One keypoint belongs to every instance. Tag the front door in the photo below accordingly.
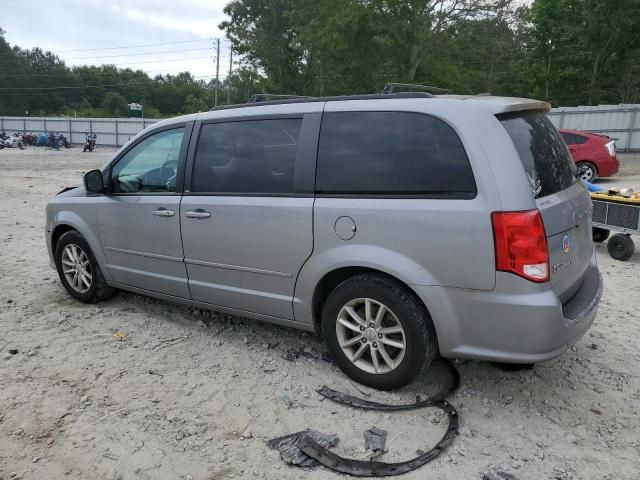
(246, 231)
(139, 221)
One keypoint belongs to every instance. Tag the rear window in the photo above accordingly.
(391, 153)
(542, 151)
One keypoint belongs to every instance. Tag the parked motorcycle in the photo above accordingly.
(64, 141)
(14, 141)
(29, 138)
(90, 142)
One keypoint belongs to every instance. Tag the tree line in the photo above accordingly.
(569, 52)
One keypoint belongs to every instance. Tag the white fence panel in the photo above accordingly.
(621, 122)
(109, 131)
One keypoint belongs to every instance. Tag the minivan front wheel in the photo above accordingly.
(377, 332)
(78, 269)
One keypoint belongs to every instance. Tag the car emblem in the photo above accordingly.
(566, 244)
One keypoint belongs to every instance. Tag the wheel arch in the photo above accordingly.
(338, 275)
(66, 221)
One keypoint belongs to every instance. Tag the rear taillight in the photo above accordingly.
(521, 244)
(611, 148)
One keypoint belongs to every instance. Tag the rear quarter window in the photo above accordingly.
(391, 153)
(542, 151)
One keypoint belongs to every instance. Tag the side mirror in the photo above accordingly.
(93, 181)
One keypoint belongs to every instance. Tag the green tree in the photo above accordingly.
(194, 104)
(115, 105)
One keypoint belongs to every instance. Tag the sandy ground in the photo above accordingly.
(82, 401)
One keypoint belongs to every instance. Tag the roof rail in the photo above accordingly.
(293, 99)
(392, 87)
(265, 97)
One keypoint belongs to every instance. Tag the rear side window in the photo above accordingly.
(253, 156)
(542, 152)
(391, 153)
(573, 139)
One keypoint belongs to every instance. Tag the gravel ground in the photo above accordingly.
(136, 388)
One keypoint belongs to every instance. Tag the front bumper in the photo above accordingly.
(512, 323)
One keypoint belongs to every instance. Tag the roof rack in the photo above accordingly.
(294, 99)
(265, 97)
(392, 87)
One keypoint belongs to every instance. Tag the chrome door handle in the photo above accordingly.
(163, 212)
(197, 214)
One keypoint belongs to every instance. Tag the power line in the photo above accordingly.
(138, 54)
(131, 63)
(135, 46)
(93, 86)
(128, 63)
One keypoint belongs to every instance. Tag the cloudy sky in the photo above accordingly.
(158, 36)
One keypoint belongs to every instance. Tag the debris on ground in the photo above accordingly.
(497, 475)
(374, 440)
(290, 450)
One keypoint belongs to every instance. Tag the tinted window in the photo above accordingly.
(391, 153)
(254, 156)
(572, 138)
(150, 166)
(543, 153)
(579, 139)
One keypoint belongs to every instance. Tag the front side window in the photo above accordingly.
(391, 153)
(150, 166)
(247, 157)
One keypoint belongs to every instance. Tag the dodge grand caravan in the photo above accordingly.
(399, 227)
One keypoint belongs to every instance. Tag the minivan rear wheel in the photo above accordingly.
(78, 269)
(377, 332)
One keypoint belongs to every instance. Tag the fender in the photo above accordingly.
(72, 219)
(353, 255)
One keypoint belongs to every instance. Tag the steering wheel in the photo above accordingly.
(172, 166)
(127, 186)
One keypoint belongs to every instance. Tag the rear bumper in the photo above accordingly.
(607, 166)
(512, 323)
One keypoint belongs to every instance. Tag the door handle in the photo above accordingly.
(163, 212)
(199, 213)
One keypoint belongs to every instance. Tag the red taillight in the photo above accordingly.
(521, 244)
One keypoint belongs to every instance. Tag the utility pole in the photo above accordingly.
(215, 98)
(229, 77)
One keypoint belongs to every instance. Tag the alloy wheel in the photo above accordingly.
(77, 268)
(371, 336)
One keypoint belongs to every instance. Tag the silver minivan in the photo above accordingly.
(399, 227)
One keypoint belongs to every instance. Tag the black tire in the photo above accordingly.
(588, 171)
(621, 247)
(99, 290)
(420, 338)
(600, 234)
(21, 146)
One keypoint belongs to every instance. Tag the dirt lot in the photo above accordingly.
(81, 400)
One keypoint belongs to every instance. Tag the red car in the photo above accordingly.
(594, 154)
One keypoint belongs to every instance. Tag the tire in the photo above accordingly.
(600, 234)
(621, 247)
(21, 146)
(402, 310)
(98, 289)
(588, 171)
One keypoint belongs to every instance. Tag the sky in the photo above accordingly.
(158, 36)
